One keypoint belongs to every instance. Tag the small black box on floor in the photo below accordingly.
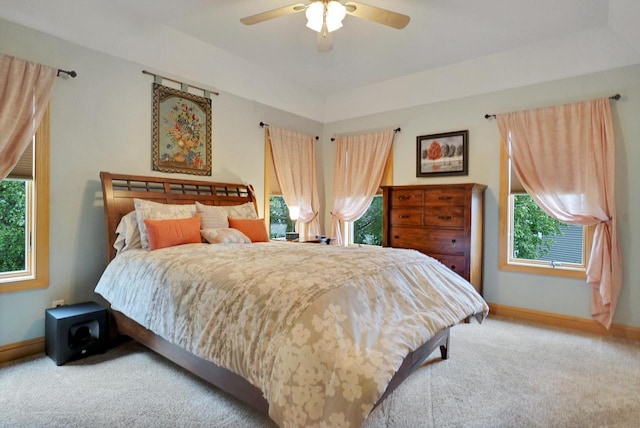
(75, 331)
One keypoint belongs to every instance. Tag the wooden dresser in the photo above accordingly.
(445, 222)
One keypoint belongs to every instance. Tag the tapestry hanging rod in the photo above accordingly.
(615, 97)
(70, 73)
(262, 125)
(158, 78)
(395, 131)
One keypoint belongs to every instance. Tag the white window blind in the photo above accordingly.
(24, 168)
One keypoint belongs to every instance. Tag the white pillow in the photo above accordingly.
(246, 210)
(127, 233)
(224, 236)
(212, 217)
(157, 211)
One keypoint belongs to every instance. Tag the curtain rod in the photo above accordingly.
(70, 73)
(615, 97)
(262, 125)
(179, 82)
(395, 131)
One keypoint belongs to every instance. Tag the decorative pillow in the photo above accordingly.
(127, 233)
(224, 236)
(255, 229)
(213, 217)
(157, 211)
(246, 210)
(168, 233)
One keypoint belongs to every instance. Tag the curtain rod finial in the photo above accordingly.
(70, 73)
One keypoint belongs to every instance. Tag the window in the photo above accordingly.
(367, 230)
(279, 221)
(24, 219)
(14, 222)
(276, 210)
(530, 240)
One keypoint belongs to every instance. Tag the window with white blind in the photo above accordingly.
(24, 217)
(530, 240)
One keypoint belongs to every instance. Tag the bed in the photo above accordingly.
(312, 335)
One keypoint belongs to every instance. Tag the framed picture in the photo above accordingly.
(443, 154)
(181, 132)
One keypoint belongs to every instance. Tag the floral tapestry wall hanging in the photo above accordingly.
(181, 131)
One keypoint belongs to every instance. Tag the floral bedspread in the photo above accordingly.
(321, 330)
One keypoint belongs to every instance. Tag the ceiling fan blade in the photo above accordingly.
(271, 14)
(376, 14)
(325, 42)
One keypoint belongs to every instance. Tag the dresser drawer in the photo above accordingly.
(451, 196)
(444, 216)
(455, 263)
(411, 216)
(429, 241)
(407, 198)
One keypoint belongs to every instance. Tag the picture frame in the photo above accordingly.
(441, 154)
(181, 132)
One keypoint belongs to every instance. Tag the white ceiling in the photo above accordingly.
(281, 54)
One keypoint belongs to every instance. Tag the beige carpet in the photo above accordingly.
(500, 374)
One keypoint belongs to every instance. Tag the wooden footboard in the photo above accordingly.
(224, 379)
(417, 357)
(237, 386)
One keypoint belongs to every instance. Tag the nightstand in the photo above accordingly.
(76, 331)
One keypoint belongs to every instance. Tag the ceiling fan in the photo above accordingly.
(325, 16)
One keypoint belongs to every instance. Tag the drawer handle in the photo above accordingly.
(453, 267)
(453, 242)
(445, 198)
(396, 237)
(444, 217)
(404, 216)
(402, 198)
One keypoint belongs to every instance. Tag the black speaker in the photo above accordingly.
(75, 331)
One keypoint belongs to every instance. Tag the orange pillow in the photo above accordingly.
(255, 229)
(167, 233)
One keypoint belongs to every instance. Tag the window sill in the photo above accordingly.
(563, 272)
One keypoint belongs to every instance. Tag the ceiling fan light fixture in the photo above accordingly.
(321, 12)
(333, 26)
(326, 16)
(335, 14)
(315, 16)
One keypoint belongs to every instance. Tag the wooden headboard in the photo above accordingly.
(119, 190)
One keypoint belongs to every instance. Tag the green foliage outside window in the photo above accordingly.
(533, 229)
(280, 223)
(368, 228)
(13, 222)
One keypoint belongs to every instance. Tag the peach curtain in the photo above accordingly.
(565, 158)
(294, 159)
(25, 90)
(358, 169)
